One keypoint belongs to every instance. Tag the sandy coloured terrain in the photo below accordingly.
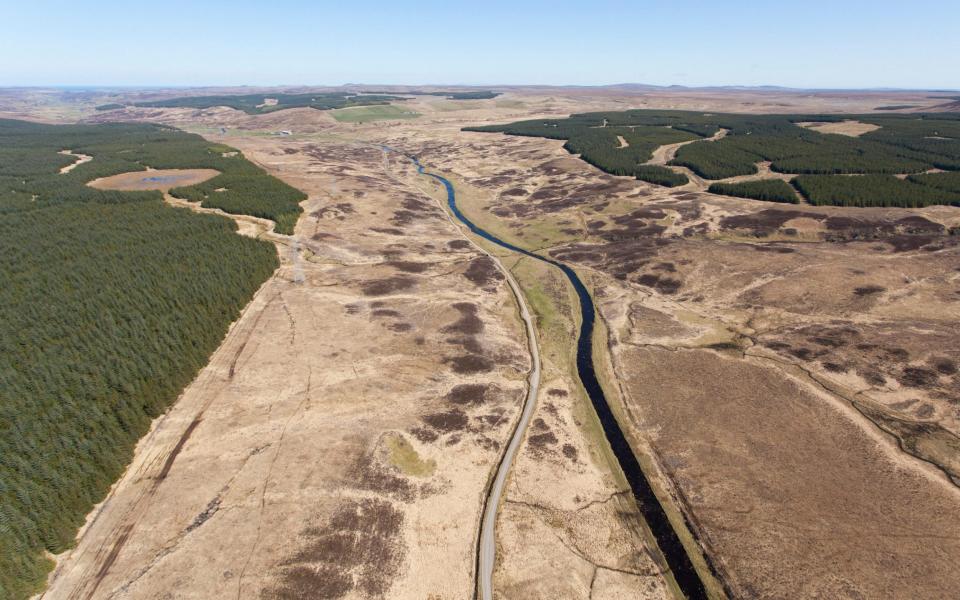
(848, 128)
(81, 159)
(787, 375)
(341, 438)
(154, 179)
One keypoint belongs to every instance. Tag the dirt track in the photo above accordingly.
(327, 420)
(354, 392)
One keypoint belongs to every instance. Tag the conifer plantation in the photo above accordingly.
(912, 145)
(110, 305)
(255, 104)
(770, 190)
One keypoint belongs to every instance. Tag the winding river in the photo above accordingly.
(650, 507)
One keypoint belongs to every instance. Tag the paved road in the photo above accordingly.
(487, 546)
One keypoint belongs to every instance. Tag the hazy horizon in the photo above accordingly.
(372, 86)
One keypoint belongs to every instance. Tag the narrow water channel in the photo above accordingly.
(673, 551)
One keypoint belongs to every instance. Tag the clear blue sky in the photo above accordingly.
(815, 43)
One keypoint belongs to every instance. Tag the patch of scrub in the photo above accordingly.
(404, 456)
(379, 112)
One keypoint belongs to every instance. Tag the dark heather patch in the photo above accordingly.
(557, 392)
(570, 452)
(834, 367)
(663, 285)
(467, 394)
(917, 225)
(445, 422)
(384, 312)
(387, 230)
(369, 474)
(667, 267)
(482, 270)
(869, 290)
(492, 419)
(382, 287)
(360, 549)
(542, 441)
(468, 323)
(776, 345)
(408, 266)
(872, 377)
(906, 243)
(333, 211)
(458, 244)
(488, 443)
(777, 249)
(896, 354)
(925, 411)
(539, 425)
(830, 342)
(917, 377)
(400, 327)
(352, 309)
(469, 364)
(945, 366)
(803, 353)
(404, 217)
(424, 434)
(417, 205)
(764, 222)
(467, 342)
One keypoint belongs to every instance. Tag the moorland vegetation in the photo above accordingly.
(110, 305)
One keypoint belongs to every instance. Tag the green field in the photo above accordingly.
(111, 303)
(367, 114)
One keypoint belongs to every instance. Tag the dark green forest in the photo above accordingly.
(110, 305)
(949, 181)
(121, 148)
(904, 144)
(255, 104)
(660, 176)
(871, 190)
(478, 95)
(769, 190)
